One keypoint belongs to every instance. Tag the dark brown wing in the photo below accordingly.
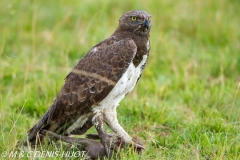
(87, 84)
(92, 79)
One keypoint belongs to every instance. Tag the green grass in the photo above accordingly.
(187, 103)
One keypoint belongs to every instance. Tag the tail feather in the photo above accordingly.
(33, 132)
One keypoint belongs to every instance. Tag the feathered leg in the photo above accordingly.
(106, 140)
(110, 117)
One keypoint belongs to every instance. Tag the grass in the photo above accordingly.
(187, 103)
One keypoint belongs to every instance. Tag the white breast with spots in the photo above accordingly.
(125, 85)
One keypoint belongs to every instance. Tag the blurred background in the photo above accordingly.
(187, 103)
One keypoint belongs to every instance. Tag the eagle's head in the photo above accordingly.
(136, 21)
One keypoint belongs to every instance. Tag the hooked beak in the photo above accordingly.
(146, 24)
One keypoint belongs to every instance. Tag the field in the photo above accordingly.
(185, 106)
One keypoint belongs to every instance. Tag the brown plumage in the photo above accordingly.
(95, 76)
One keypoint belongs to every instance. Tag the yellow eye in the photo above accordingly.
(149, 19)
(134, 18)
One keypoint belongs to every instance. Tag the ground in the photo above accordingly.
(187, 103)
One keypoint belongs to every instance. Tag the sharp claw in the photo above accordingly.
(114, 142)
(138, 148)
(138, 145)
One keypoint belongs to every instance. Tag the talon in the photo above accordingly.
(110, 143)
(138, 145)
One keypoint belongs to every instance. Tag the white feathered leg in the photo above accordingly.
(110, 117)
